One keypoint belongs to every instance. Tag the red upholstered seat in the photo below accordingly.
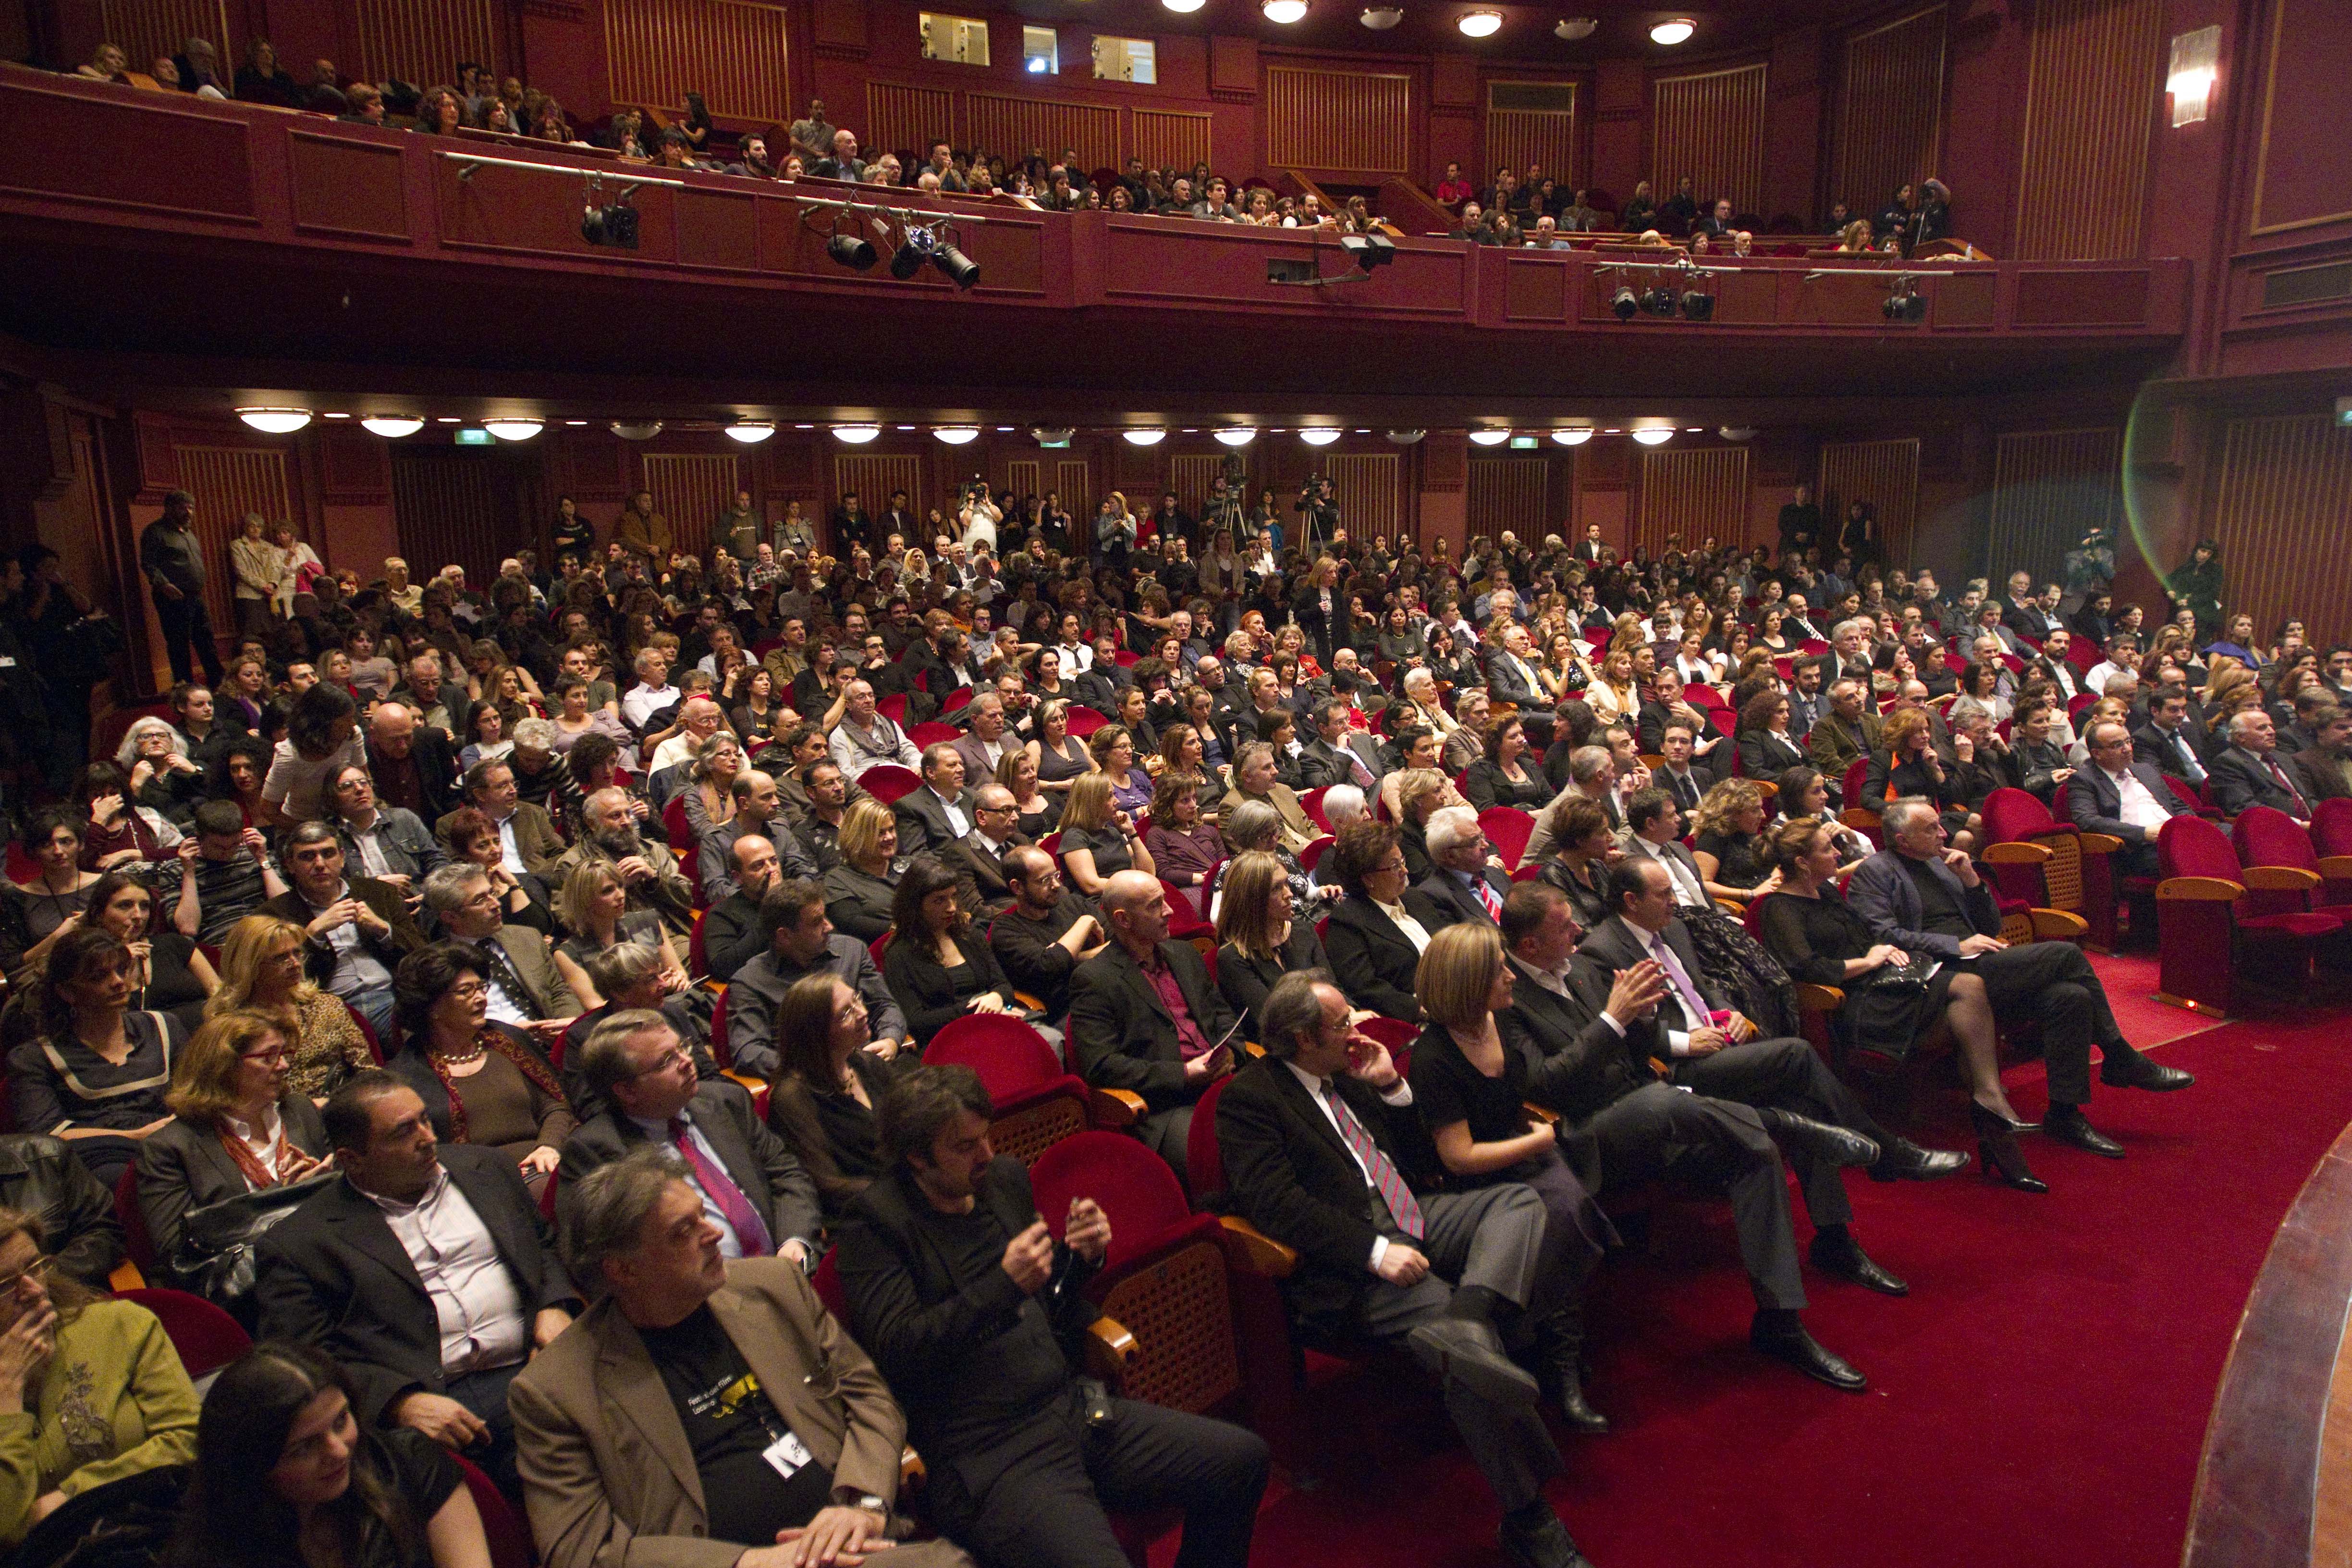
(1312, 856)
(2264, 835)
(1185, 922)
(206, 1338)
(138, 1244)
(1084, 722)
(889, 782)
(675, 827)
(2331, 827)
(893, 707)
(2206, 898)
(956, 699)
(1394, 1032)
(502, 1527)
(1312, 803)
(1038, 1102)
(1507, 828)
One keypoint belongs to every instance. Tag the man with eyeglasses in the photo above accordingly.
(1043, 936)
(751, 1186)
(978, 858)
(357, 929)
(526, 989)
(1462, 884)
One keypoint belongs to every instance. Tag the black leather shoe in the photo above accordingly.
(1471, 1355)
(1847, 1261)
(2004, 1162)
(2137, 1071)
(2069, 1125)
(1801, 1351)
(1543, 1545)
(1820, 1139)
(1902, 1161)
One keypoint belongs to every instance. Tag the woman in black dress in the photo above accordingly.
(97, 1072)
(1259, 936)
(860, 892)
(1500, 776)
(1728, 846)
(827, 1085)
(1819, 938)
(937, 968)
(1906, 764)
(1583, 847)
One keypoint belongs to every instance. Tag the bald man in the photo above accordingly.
(411, 763)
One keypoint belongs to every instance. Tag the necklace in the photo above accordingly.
(451, 1059)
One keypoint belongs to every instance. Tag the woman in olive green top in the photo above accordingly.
(90, 1389)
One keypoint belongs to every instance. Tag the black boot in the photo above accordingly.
(1563, 1371)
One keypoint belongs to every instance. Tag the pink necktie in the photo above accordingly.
(1393, 1190)
(1692, 1000)
(721, 1188)
(2280, 775)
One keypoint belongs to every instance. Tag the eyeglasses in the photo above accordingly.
(275, 1054)
(466, 990)
(37, 1271)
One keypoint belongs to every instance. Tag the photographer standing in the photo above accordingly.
(977, 516)
(1319, 514)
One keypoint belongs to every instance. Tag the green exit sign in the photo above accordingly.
(1523, 443)
(471, 437)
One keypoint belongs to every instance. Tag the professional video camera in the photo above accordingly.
(1319, 514)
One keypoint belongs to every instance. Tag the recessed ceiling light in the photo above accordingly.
(1318, 437)
(1285, 11)
(957, 435)
(1489, 437)
(1238, 434)
(513, 429)
(334, 416)
(1677, 31)
(1184, 8)
(855, 435)
(751, 432)
(1380, 19)
(1406, 438)
(392, 426)
(1481, 24)
(636, 429)
(1150, 436)
(583, 422)
(1737, 432)
(1052, 435)
(1653, 437)
(1576, 437)
(275, 421)
(446, 420)
(1575, 29)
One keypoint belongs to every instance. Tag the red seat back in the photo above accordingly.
(2331, 826)
(827, 1283)
(502, 1527)
(1204, 1161)
(1393, 1033)
(933, 734)
(878, 946)
(2012, 817)
(889, 782)
(2186, 791)
(956, 699)
(1855, 777)
(1138, 1192)
(1183, 914)
(674, 827)
(1010, 1061)
(1312, 803)
(206, 1338)
(2265, 836)
(893, 707)
(1312, 856)
(137, 1241)
(1084, 722)
(2192, 846)
(1507, 828)
(721, 1051)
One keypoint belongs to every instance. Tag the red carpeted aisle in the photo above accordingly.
(2040, 1399)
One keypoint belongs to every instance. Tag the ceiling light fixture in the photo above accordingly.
(1480, 23)
(1575, 29)
(1151, 435)
(1318, 437)
(1406, 438)
(275, 421)
(391, 427)
(1576, 437)
(513, 429)
(1184, 8)
(1238, 434)
(1284, 12)
(855, 435)
(1380, 19)
(957, 435)
(1653, 437)
(1489, 437)
(1677, 31)
(636, 429)
(751, 432)
(1737, 432)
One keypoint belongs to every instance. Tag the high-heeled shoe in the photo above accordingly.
(2009, 1124)
(2004, 1162)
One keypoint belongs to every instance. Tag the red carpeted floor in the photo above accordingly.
(2039, 1399)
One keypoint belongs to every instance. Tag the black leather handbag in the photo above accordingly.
(215, 1256)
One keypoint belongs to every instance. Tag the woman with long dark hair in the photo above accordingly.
(936, 967)
(287, 1475)
(827, 1087)
(96, 1073)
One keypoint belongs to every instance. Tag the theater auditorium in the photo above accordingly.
(1404, 783)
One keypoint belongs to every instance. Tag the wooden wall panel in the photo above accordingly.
(422, 41)
(1692, 494)
(228, 482)
(874, 474)
(452, 507)
(731, 51)
(1189, 475)
(1370, 490)
(1002, 124)
(1509, 492)
(1885, 474)
(146, 28)
(1890, 100)
(1710, 126)
(2281, 511)
(2090, 95)
(1169, 139)
(1522, 136)
(2297, 181)
(690, 488)
(1357, 122)
(1073, 479)
(2050, 487)
(1024, 477)
(903, 118)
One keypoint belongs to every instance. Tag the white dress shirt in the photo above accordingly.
(2139, 808)
(643, 702)
(473, 1297)
(958, 822)
(1412, 928)
(1400, 1093)
(658, 1133)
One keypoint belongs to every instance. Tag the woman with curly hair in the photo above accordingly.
(482, 1082)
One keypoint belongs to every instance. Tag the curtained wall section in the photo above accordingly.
(1710, 126)
(2094, 87)
(1882, 474)
(1519, 136)
(2050, 487)
(1693, 495)
(1370, 490)
(2283, 513)
(456, 505)
(1890, 100)
(146, 28)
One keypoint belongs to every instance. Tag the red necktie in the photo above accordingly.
(1492, 900)
(744, 1220)
(1393, 1190)
(2294, 794)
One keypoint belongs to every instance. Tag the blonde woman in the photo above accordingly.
(1258, 941)
(1098, 839)
(594, 905)
(860, 891)
(239, 1125)
(1727, 831)
(262, 973)
(1616, 692)
(1422, 793)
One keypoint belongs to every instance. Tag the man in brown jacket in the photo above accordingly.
(703, 1414)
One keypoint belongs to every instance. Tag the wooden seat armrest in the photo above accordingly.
(1110, 1350)
(1542, 1113)
(1819, 998)
(2058, 925)
(911, 1473)
(1858, 819)
(1731, 907)
(2199, 890)
(1256, 1252)
(1114, 1107)
(751, 1085)
(2016, 854)
(2279, 878)
(1252, 1047)
(2334, 868)
(2100, 844)
(126, 1276)
(1029, 1001)
(716, 988)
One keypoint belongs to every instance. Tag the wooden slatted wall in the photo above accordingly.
(1693, 494)
(2095, 77)
(690, 488)
(1883, 473)
(1710, 126)
(422, 41)
(1012, 126)
(146, 28)
(1353, 121)
(731, 51)
(1370, 490)
(901, 119)
(1522, 136)
(2283, 513)
(1169, 139)
(1073, 479)
(1890, 104)
(1025, 477)
(1509, 492)
(1189, 475)
(452, 507)
(874, 474)
(2049, 488)
(228, 482)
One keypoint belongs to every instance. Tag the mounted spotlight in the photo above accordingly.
(1622, 304)
(751, 432)
(636, 429)
(514, 429)
(1699, 305)
(1380, 19)
(961, 269)
(1318, 437)
(1658, 301)
(1677, 31)
(1489, 437)
(1655, 436)
(855, 435)
(1149, 435)
(275, 421)
(1904, 305)
(854, 251)
(1480, 23)
(1575, 29)
(612, 223)
(1238, 434)
(1283, 13)
(1370, 251)
(391, 427)
(957, 435)
(1406, 438)
(1575, 437)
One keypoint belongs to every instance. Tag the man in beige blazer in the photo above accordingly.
(610, 1474)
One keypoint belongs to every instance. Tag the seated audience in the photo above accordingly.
(2122, 797)
(1259, 935)
(1098, 839)
(595, 907)
(472, 838)
(802, 943)
(96, 1070)
(388, 843)
(1373, 940)
(1042, 937)
(861, 890)
(1583, 848)
(1462, 882)
(482, 1082)
(1728, 842)
(34, 914)
(357, 929)
(610, 835)
(1255, 827)
(226, 873)
(937, 966)
(1499, 777)
(828, 1089)
(40, 1177)
(1184, 848)
(262, 973)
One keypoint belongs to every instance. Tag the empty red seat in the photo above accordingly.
(1037, 1101)
(889, 782)
(2210, 939)
(1507, 828)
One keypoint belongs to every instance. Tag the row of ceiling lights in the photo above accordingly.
(1479, 23)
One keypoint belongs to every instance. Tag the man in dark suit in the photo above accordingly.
(977, 859)
(939, 813)
(1462, 884)
(1595, 1028)
(1511, 671)
(2054, 665)
(1591, 549)
(413, 1237)
(1337, 755)
(2022, 614)
(1046, 933)
(526, 988)
(2324, 769)
(2247, 772)
(411, 765)
(1925, 899)
(357, 929)
(731, 934)
(1665, 705)
(2125, 799)
(1146, 1018)
(1324, 1152)
(974, 1313)
(751, 1186)
(1680, 776)
(2166, 740)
